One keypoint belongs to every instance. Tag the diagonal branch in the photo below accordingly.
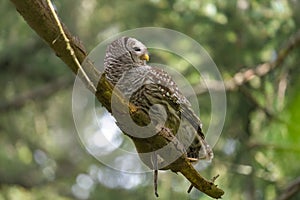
(70, 49)
(245, 75)
(261, 70)
(39, 16)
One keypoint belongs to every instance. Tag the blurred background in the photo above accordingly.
(257, 155)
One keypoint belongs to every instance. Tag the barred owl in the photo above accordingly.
(153, 92)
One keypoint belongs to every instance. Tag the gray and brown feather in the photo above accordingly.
(145, 86)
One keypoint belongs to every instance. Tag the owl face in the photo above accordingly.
(137, 50)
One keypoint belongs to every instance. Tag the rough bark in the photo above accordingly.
(41, 19)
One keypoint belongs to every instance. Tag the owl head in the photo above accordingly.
(127, 50)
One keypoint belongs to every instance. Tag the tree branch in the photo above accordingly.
(90, 85)
(39, 16)
(261, 70)
(245, 75)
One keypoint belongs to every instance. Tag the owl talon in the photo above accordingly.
(193, 159)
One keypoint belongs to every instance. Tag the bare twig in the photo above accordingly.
(245, 75)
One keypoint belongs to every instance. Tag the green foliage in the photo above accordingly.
(257, 154)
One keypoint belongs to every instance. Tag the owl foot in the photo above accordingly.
(206, 151)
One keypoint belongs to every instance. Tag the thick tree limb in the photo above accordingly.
(70, 49)
(40, 17)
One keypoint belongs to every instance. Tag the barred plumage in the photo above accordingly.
(145, 86)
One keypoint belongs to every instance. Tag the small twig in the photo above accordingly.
(213, 179)
(155, 166)
(155, 182)
(69, 48)
(246, 75)
(190, 188)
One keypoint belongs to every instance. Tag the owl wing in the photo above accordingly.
(146, 86)
(171, 94)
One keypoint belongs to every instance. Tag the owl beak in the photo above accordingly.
(145, 57)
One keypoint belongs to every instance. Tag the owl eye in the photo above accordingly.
(136, 49)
